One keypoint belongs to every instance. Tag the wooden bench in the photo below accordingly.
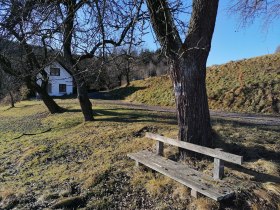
(212, 187)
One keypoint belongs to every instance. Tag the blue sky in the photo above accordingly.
(232, 42)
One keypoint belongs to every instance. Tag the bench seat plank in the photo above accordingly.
(196, 180)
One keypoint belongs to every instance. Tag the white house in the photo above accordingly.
(60, 79)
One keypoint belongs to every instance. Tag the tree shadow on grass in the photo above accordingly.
(116, 94)
(243, 123)
(250, 153)
(257, 176)
(119, 115)
(9, 108)
(73, 110)
(129, 115)
(20, 107)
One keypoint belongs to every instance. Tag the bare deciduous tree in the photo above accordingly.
(90, 27)
(248, 10)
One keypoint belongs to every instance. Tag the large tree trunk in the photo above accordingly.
(83, 98)
(84, 101)
(127, 76)
(120, 80)
(188, 76)
(52, 106)
(12, 99)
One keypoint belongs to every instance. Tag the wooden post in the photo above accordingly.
(218, 171)
(159, 148)
(193, 193)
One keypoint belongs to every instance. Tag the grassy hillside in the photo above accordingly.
(59, 162)
(251, 85)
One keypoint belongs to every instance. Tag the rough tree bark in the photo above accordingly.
(127, 71)
(120, 80)
(12, 99)
(83, 98)
(188, 65)
(52, 106)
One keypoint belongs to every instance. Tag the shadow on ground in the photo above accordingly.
(257, 176)
(121, 115)
(116, 94)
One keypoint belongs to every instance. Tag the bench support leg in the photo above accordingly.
(194, 193)
(136, 164)
(159, 148)
(218, 171)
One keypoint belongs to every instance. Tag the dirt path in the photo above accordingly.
(243, 118)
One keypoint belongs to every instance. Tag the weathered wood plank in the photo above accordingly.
(184, 171)
(199, 149)
(182, 174)
(197, 181)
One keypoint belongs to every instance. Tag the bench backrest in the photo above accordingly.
(199, 149)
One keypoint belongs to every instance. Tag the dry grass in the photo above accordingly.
(203, 204)
(272, 187)
(180, 191)
(265, 166)
(158, 185)
(88, 162)
(6, 192)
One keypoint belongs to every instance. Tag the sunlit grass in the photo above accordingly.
(74, 158)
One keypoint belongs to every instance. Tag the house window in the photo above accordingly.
(49, 87)
(62, 88)
(54, 71)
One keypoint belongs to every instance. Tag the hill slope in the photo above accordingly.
(250, 85)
